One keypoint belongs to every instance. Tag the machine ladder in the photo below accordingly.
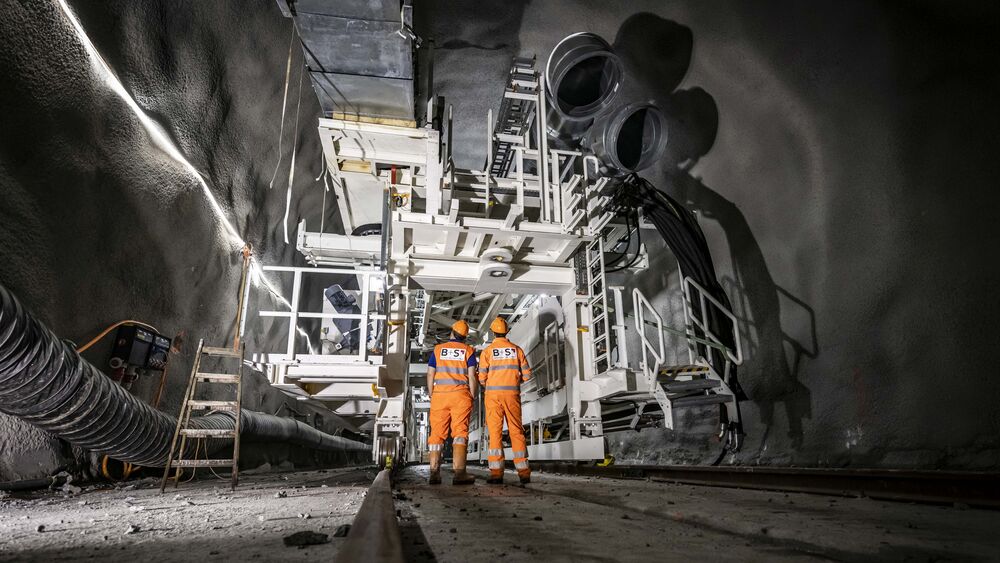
(516, 110)
(598, 301)
(185, 430)
(691, 385)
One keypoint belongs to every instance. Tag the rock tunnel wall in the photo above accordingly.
(99, 223)
(841, 159)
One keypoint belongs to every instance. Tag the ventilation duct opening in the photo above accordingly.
(583, 76)
(631, 138)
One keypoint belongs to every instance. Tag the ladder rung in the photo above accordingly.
(223, 352)
(208, 433)
(692, 385)
(218, 377)
(519, 96)
(203, 463)
(214, 405)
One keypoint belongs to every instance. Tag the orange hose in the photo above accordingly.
(112, 327)
(163, 382)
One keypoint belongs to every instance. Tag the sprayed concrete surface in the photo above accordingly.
(200, 520)
(100, 223)
(570, 518)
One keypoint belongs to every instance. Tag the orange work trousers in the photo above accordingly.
(500, 406)
(450, 412)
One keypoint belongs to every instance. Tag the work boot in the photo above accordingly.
(496, 478)
(458, 465)
(524, 472)
(435, 459)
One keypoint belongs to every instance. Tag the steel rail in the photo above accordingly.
(973, 488)
(374, 535)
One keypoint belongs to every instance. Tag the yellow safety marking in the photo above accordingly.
(583, 329)
(356, 166)
(395, 121)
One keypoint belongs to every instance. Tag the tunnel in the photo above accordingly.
(387, 280)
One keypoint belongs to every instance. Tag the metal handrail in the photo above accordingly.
(640, 305)
(685, 334)
(702, 321)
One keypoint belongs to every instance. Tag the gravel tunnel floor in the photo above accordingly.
(200, 520)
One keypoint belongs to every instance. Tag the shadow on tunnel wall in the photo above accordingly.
(657, 53)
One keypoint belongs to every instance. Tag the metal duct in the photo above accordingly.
(582, 78)
(630, 138)
(46, 383)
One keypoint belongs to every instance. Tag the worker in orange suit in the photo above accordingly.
(502, 369)
(451, 383)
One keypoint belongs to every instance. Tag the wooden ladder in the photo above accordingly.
(190, 404)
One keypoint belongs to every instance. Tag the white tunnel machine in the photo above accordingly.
(426, 243)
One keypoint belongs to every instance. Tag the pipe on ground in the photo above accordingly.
(45, 382)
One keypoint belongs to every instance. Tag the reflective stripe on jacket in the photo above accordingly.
(451, 362)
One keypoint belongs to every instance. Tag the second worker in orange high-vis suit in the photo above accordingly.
(451, 382)
(502, 369)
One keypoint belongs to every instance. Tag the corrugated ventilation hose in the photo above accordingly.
(46, 383)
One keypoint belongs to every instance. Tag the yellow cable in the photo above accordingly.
(112, 327)
(127, 470)
(104, 469)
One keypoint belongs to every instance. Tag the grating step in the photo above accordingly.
(208, 433)
(218, 377)
(221, 352)
(203, 463)
(214, 405)
(692, 369)
(693, 385)
(700, 400)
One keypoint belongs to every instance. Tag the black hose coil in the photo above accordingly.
(46, 383)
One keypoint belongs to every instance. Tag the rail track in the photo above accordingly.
(967, 487)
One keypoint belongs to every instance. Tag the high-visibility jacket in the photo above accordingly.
(451, 362)
(503, 367)
(451, 401)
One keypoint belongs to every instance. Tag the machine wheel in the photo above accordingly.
(388, 451)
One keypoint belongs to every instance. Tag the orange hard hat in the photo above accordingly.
(460, 328)
(499, 326)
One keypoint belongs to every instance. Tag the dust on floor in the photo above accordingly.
(569, 518)
(201, 519)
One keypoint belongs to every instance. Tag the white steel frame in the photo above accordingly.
(478, 241)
